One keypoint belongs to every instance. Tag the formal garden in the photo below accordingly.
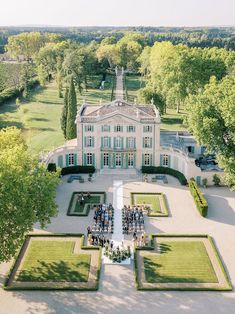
(180, 262)
(82, 202)
(154, 204)
(55, 262)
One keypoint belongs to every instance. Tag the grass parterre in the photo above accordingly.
(58, 261)
(154, 203)
(180, 262)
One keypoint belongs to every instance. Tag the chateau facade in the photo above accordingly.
(119, 135)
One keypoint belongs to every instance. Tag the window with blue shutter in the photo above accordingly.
(75, 159)
(67, 160)
(161, 160)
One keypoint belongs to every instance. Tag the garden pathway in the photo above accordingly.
(119, 94)
(118, 205)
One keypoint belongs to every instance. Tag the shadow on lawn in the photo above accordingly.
(56, 271)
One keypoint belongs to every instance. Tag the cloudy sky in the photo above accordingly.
(118, 12)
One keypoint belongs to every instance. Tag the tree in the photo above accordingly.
(27, 192)
(71, 112)
(42, 75)
(147, 95)
(211, 118)
(63, 120)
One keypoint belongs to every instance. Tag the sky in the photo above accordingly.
(117, 12)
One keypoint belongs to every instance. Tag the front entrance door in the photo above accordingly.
(130, 160)
(106, 160)
(118, 161)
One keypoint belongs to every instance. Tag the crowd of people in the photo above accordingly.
(103, 219)
(132, 219)
(98, 239)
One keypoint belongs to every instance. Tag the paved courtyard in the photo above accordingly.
(117, 293)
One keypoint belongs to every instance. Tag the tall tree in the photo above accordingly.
(211, 118)
(27, 192)
(63, 120)
(71, 112)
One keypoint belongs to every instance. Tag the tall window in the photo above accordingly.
(89, 128)
(89, 159)
(165, 160)
(106, 159)
(147, 128)
(106, 141)
(147, 159)
(118, 128)
(130, 160)
(89, 141)
(130, 142)
(105, 128)
(147, 142)
(71, 159)
(118, 142)
(130, 128)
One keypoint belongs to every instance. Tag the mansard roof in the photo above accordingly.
(117, 106)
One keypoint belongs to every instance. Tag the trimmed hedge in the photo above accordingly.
(165, 170)
(198, 197)
(77, 169)
(83, 247)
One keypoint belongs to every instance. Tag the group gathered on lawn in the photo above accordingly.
(133, 219)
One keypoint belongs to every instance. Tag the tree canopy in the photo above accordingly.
(27, 192)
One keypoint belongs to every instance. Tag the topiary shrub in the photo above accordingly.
(165, 170)
(198, 197)
(77, 169)
(216, 180)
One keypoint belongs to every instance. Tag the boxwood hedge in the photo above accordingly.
(165, 170)
(77, 169)
(198, 197)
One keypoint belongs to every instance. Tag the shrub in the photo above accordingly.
(216, 180)
(204, 181)
(165, 170)
(198, 197)
(51, 167)
(77, 169)
(9, 94)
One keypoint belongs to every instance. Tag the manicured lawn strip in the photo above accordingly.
(54, 261)
(20, 254)
(137, 279)
(142, 198)
(79, 210)
(173, 121)
(132, 84)
(180, 262)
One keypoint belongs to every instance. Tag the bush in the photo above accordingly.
(51, 167)
(216, 180)
(204, 181)
(77, 169)
(198, 197)
(165, 170)
(9, 94)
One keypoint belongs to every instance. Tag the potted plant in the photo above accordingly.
(90, 177)
(216, 180)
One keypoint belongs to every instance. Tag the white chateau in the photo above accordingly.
(119, 135)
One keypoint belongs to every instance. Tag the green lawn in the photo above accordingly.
(180, 261)
(54, 261)
(94, 199)
(94, 95)
(152, 200)
(172, 121)
(133, 83)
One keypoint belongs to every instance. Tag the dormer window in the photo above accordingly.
(118, 128)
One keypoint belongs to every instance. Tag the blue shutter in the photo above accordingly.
(151, 142)
(102, 128)
(134, 142)
(60, 161)
(169, 161)
(161, 160)
(67, 160)
(75, 160)
(127, 146)
(127, 128)
(151, 159)
(122, 160)
(93, 141)
(114, 144)
(85, 141)
(126, 160)
(143, 142)
(93, 159)
(134, 160)
(142, 159)
(109, 142)
(84, 159)
(114, 160)
(92, 128)
(115, 128)
(102, 142)
(144, 128)
(110, 161)
(102, 161)
(121, 142)
(121, 128)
